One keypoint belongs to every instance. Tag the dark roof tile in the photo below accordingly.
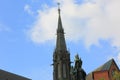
(11, 76)
(104, 67)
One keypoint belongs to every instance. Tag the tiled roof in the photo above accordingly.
(104, 67)
(4, 75)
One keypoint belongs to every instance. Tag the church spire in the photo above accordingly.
(61, 57)
(60, 44)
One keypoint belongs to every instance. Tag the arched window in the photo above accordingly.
(59, 71)
(64, 70)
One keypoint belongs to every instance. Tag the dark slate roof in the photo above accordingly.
(4, 75)
(104, 67)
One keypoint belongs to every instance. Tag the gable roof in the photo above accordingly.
(104, 67)
(4, 75)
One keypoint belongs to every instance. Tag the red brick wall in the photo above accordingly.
(107, 75)
(99, 75)
(113, 67)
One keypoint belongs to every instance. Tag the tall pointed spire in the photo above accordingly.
(61, 57)
(60, 28)
(60, 44)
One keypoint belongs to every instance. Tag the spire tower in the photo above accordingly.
(61, 57)
(60, 43)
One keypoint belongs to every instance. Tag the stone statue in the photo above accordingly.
(77, 72)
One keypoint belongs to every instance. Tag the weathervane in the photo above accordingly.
(58, 7)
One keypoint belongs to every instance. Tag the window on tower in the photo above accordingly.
(64, 70)
(59, 71)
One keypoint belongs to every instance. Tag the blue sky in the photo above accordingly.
(28, 34)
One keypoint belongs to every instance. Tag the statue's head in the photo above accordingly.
(78, 61)
(77, 57)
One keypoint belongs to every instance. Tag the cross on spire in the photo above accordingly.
(58, 8)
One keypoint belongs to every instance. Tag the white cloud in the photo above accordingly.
(91, 21)
(27, 8)
(44, 28)
(118, 58)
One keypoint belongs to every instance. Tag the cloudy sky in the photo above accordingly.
(28, 34)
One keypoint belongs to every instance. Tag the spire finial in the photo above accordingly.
(58, 8)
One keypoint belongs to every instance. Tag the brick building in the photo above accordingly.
(104, 72)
